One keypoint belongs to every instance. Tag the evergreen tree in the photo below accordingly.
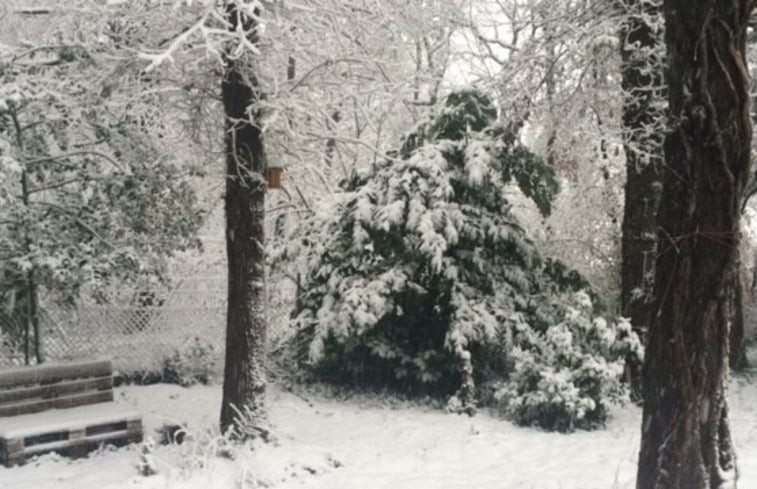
(422, 277)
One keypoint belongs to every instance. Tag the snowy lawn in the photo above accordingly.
(369, 444)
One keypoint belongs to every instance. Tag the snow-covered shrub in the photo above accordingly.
(195, 363)
(567, 376)
(420, 277)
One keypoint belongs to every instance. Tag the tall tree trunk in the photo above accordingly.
(33, 313)
(31, 319)
(685, 439)
(331, 123)
(641, 49)
(550, 82)
(30, 288)
(243, 405)
(738, 358)
(737, 350)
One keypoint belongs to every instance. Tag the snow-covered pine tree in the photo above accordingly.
(421, 277)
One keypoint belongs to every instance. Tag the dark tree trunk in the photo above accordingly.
(331, 122)
(737, 351)
(738, 358)
(28, 313)
(550, 82)
(685, 439)
(31, 319)
(33, 314)
(642, 86)
(291, 68)
(244, 374)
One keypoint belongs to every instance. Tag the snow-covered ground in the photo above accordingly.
(369, 444)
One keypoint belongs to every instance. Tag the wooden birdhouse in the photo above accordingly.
(273, 176)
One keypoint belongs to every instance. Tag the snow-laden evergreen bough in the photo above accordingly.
(420, 277)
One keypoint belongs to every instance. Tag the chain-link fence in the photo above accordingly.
(136, 339)
(140, 338)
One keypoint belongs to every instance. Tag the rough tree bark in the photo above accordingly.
(685, 440)
(738, 356)
(643, 90)
(737, 350)
(244, 374)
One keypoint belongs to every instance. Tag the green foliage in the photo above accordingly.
(464, 112)
(566, 376)
(421, 278)
(88, 196)
(535, 178)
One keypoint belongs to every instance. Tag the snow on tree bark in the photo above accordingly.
(244, 383)
(686, 441)
(641, 51)
(737, 353)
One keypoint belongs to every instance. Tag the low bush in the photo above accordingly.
(193, 364)
(567, 376)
